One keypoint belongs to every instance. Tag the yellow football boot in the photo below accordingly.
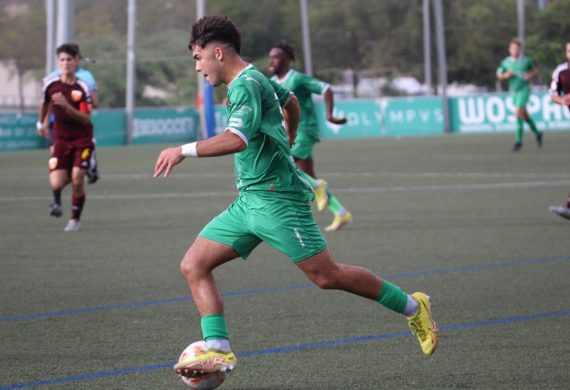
(423, 325)
(339, 221)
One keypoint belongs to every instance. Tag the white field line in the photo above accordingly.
(471, 175)
(354, 190)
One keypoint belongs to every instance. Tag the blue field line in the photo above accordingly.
(295, 348)
(271, 290)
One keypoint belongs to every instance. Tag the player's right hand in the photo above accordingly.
(167, 159)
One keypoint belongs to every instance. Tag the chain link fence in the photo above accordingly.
(365, 48)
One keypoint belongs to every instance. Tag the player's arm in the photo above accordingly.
(81, 116)
(556, 91)
(219, 145)
(290, 109)
(503, 73)
(328, 97)
(43, 113)
(531, 74)
(292, 116)
(94, 99)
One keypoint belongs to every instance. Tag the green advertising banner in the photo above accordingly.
(363, 119)
(18, 131)
(165, 125)
(109, 127)
(496, 112)
(412, 116)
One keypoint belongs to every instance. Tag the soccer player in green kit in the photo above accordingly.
(519, 70)
(273, 203)
(303, 86)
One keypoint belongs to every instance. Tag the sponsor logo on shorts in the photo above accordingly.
(52, 163)
(298, 235)
(85, 154)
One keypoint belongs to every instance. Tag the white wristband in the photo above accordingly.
(189, 150)
(39, 125)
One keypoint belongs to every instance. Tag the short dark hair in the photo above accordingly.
(215, 28)
(516, 41)
(70, 48)
(287, 49)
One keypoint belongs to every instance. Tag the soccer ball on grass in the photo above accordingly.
(204, 381)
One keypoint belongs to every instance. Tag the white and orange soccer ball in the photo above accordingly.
(205, 381)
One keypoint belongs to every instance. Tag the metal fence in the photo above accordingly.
(365, 48)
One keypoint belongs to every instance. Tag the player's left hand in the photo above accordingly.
(167, 159)
(566, 99)
(337, 121)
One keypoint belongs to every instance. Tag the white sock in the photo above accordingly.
(411, 307)
(219, 344)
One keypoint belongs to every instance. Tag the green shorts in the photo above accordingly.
(302, 149)
(285, 224)
(520, 98)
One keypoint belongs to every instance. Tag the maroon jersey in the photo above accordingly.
(560, 84)
(67, 129)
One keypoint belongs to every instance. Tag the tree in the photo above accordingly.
(22, 41)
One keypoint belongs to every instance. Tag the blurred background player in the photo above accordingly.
(560, 94)
(303, 86)
(519, 70)
(87, 76)
(68, 98)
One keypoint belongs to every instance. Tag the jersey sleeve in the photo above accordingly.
(555, 86)
(313, 85)
(283, 94)
(87, 76)
(502, 68)
(47, 82)
(244, 116)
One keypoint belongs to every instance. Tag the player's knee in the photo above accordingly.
(190, 267)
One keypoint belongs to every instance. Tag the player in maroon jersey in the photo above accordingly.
(69, 99)
(560, 94)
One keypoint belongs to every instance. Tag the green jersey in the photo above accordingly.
(254, 114)
(303, 86)
(519, 66)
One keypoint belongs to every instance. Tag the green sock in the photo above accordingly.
(392, 297)
(214, 327)
(532, 125)
(519, 134)
(334, 204)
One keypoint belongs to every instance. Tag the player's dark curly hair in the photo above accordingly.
(70, 48)
(287, 49)
(215, 28)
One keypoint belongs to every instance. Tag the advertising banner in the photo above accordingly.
(165, 125)
(496, 113)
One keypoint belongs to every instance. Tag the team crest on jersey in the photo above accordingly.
(52, 163)
(76, 95)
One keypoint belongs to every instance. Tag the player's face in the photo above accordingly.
(208, 62)
(514, 50)
(66, 63)
(568, 51)
(278, 61)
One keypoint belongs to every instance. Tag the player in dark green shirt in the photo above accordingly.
(273, 203)
(304, 86)
(519, 70)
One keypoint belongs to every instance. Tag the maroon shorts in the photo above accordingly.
(66, 156)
